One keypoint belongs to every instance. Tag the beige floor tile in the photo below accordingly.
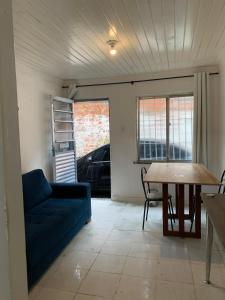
(70, 247)
(173, 240)
(144, 250)
(166, 290)
(34, 292)
(90, 244)
(98, 224)
(174, 250)
(50, 271)
(217, 276)
(217, 241)
(88, 297)
(92, 232)
(50, 294)
(66, 278)
(175, 270)
(154, 226)
(222, 253)
(135, 288)
(126, 224)
(209, 293)
(109, 263)
(198, 243)
(141, 267)
(198, 256)
(115, 232)
(115, 247)
(125, 235)
(79, 259)
(100, 284)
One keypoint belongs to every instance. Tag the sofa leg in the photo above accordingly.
(88, 221)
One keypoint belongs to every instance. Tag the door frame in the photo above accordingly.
(100, 99)
(13, 283)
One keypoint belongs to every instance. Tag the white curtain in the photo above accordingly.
(200, 130)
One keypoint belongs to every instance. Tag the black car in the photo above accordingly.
(94, 167)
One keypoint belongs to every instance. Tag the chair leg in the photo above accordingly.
(193, 216)
(170, 212)
(192, 221)
(143, 225)
(171, 204)
(148, 204)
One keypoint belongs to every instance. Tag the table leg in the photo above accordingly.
(209, 243)
(198, 212)
(165, 208)
(181, 209)
(191, 201)
(177, 200)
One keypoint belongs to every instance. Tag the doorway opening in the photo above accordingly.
(92, 135)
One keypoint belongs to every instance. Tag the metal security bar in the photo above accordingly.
(165, 128)
(152, 129)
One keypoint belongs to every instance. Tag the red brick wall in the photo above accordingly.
(91, 125)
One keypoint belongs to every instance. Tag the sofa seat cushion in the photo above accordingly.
(47, 224)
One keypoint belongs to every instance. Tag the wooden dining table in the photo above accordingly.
(192, 175)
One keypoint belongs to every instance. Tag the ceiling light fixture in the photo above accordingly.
(112, 32)
(112, 44)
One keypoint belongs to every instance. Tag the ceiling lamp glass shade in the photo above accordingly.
(112, 44)
(113, 51)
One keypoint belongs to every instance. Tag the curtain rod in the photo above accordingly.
(134, 81)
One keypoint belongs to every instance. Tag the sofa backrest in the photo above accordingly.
(36, 189)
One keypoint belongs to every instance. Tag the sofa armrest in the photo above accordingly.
(71, 190)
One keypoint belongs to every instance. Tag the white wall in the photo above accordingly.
(34, 90)
(221, 113)
(215, 164)
(125, 176)
(4, 255)
(13, 279)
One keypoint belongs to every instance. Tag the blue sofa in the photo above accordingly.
(54, 213)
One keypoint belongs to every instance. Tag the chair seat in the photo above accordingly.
(156, 196)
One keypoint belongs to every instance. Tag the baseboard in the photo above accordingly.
(128, 199)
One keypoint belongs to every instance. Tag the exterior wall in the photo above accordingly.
(125, 175)
(91, 125)
(34, 94)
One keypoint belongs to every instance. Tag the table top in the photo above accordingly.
(180, 173)
(215, 207)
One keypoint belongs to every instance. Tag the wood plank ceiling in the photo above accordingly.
(67, 38)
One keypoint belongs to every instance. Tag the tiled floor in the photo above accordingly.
(112, 258)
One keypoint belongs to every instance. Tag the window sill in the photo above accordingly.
(146, 162)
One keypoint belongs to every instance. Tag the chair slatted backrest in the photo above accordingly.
(221, 189)
(145, 185)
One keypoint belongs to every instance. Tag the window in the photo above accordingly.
(165, 128)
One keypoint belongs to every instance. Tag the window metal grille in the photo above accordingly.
(165, 127)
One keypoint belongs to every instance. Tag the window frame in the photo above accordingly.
(167, 97)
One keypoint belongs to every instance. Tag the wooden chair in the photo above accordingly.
(221, 189)
(153, 196)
